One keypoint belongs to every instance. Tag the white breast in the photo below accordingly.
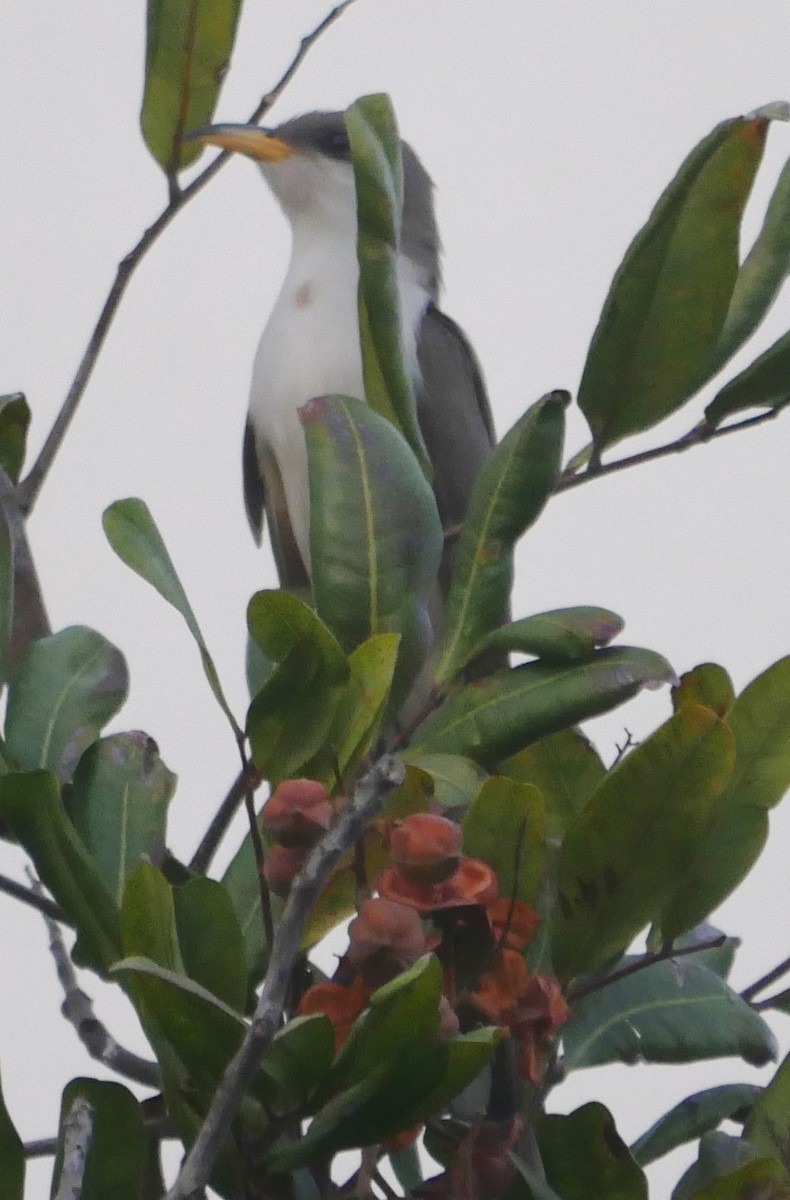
(309, 348)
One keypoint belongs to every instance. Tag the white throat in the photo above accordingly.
(310, 347)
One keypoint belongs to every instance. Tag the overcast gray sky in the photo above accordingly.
(550, 131)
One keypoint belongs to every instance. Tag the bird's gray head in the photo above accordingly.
(307, 163)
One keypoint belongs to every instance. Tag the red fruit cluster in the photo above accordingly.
(297, 815)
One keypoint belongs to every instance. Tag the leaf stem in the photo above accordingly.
(640, 964)
(207, 848)
(257, 843)
(766, 980)
(42, 903)
(698, 436)
(28, 490)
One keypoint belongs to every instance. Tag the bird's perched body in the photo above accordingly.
(310, 346)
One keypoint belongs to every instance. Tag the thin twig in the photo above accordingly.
(41, 1148)
(257, 844)
(641, 964)
(77, 1008)
(766, 980)
(29, 488)
(201, 859)
(778, 1000)
(40, 902)
(698, 436)
(368, 799)
(77, 1137)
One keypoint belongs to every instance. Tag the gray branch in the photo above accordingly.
(367, 802)
(77, 1136)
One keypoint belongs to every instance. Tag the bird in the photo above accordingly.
(310, 345)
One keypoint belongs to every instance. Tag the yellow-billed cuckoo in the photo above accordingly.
(310, 346)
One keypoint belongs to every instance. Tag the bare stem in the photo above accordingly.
(698, 436)
(201, 859)
(42, 903)
(77, 1138)
(641, 964)
(257, 844)
(29, 488)
(368, 800)
(766, 980)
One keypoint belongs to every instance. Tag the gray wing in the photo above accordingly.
(264, 492)
(454, 416)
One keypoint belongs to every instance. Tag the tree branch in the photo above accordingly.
(77, 1008)
(641, 964)
(77, 1136)
(201, 859)
(29, 488)
(766, 980)
(42, 903)
(369, 797)
(699, 436)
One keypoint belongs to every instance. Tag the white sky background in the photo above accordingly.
(550, 131)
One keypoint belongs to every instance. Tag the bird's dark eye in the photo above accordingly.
(334, 143)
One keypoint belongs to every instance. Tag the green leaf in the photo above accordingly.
(14, 423)
(187, 53)
(509, 494)
(7, 562)
(768, 1125)
(671, 1012)
(564, 635)
(296, 1063)
(148, 922)
(537, 1188)
(565, 768)
(694, 1116)
(131, 531)
(12, 1156)
(624, 854)
(243, 887)
(586, 1159)
(116, 1149)
(456, 780)
(31, 806)
(493, 718)
(669, 300)
(118, 804)
(210, 940)
(737, 825)
(504, 826)
(64, 688)
(710, 1179)
(708, 685)
(378, 178)
(760, 277)
(406, 1167)
(291, 717)
(763, 384)
(375, 534)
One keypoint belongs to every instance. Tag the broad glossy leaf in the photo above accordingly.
(210, 940)
(456, 780)
(14, 422)
(737, 825)
(31, 806)
(624, 854)
(675, 1011)
(378, 178)
(761, 275)
(12, 1156)
(694, 1116)
(241, 883)
(64, 688)
(509, 494)
(585, 1158)
(669, 300)
(131, 531)
(375, 533)
(118, 804)
(505, 827)
(493, 718)
(291, 717)
(565, 768)
(116, 1149)
(148, 922)
(563, 635)
(708, 685)
(763, 384)
(729, 1168)
(187, 53)
(296, 1063)
(768, 1124)
(7, 557)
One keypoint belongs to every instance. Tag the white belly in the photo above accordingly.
(309, 348)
